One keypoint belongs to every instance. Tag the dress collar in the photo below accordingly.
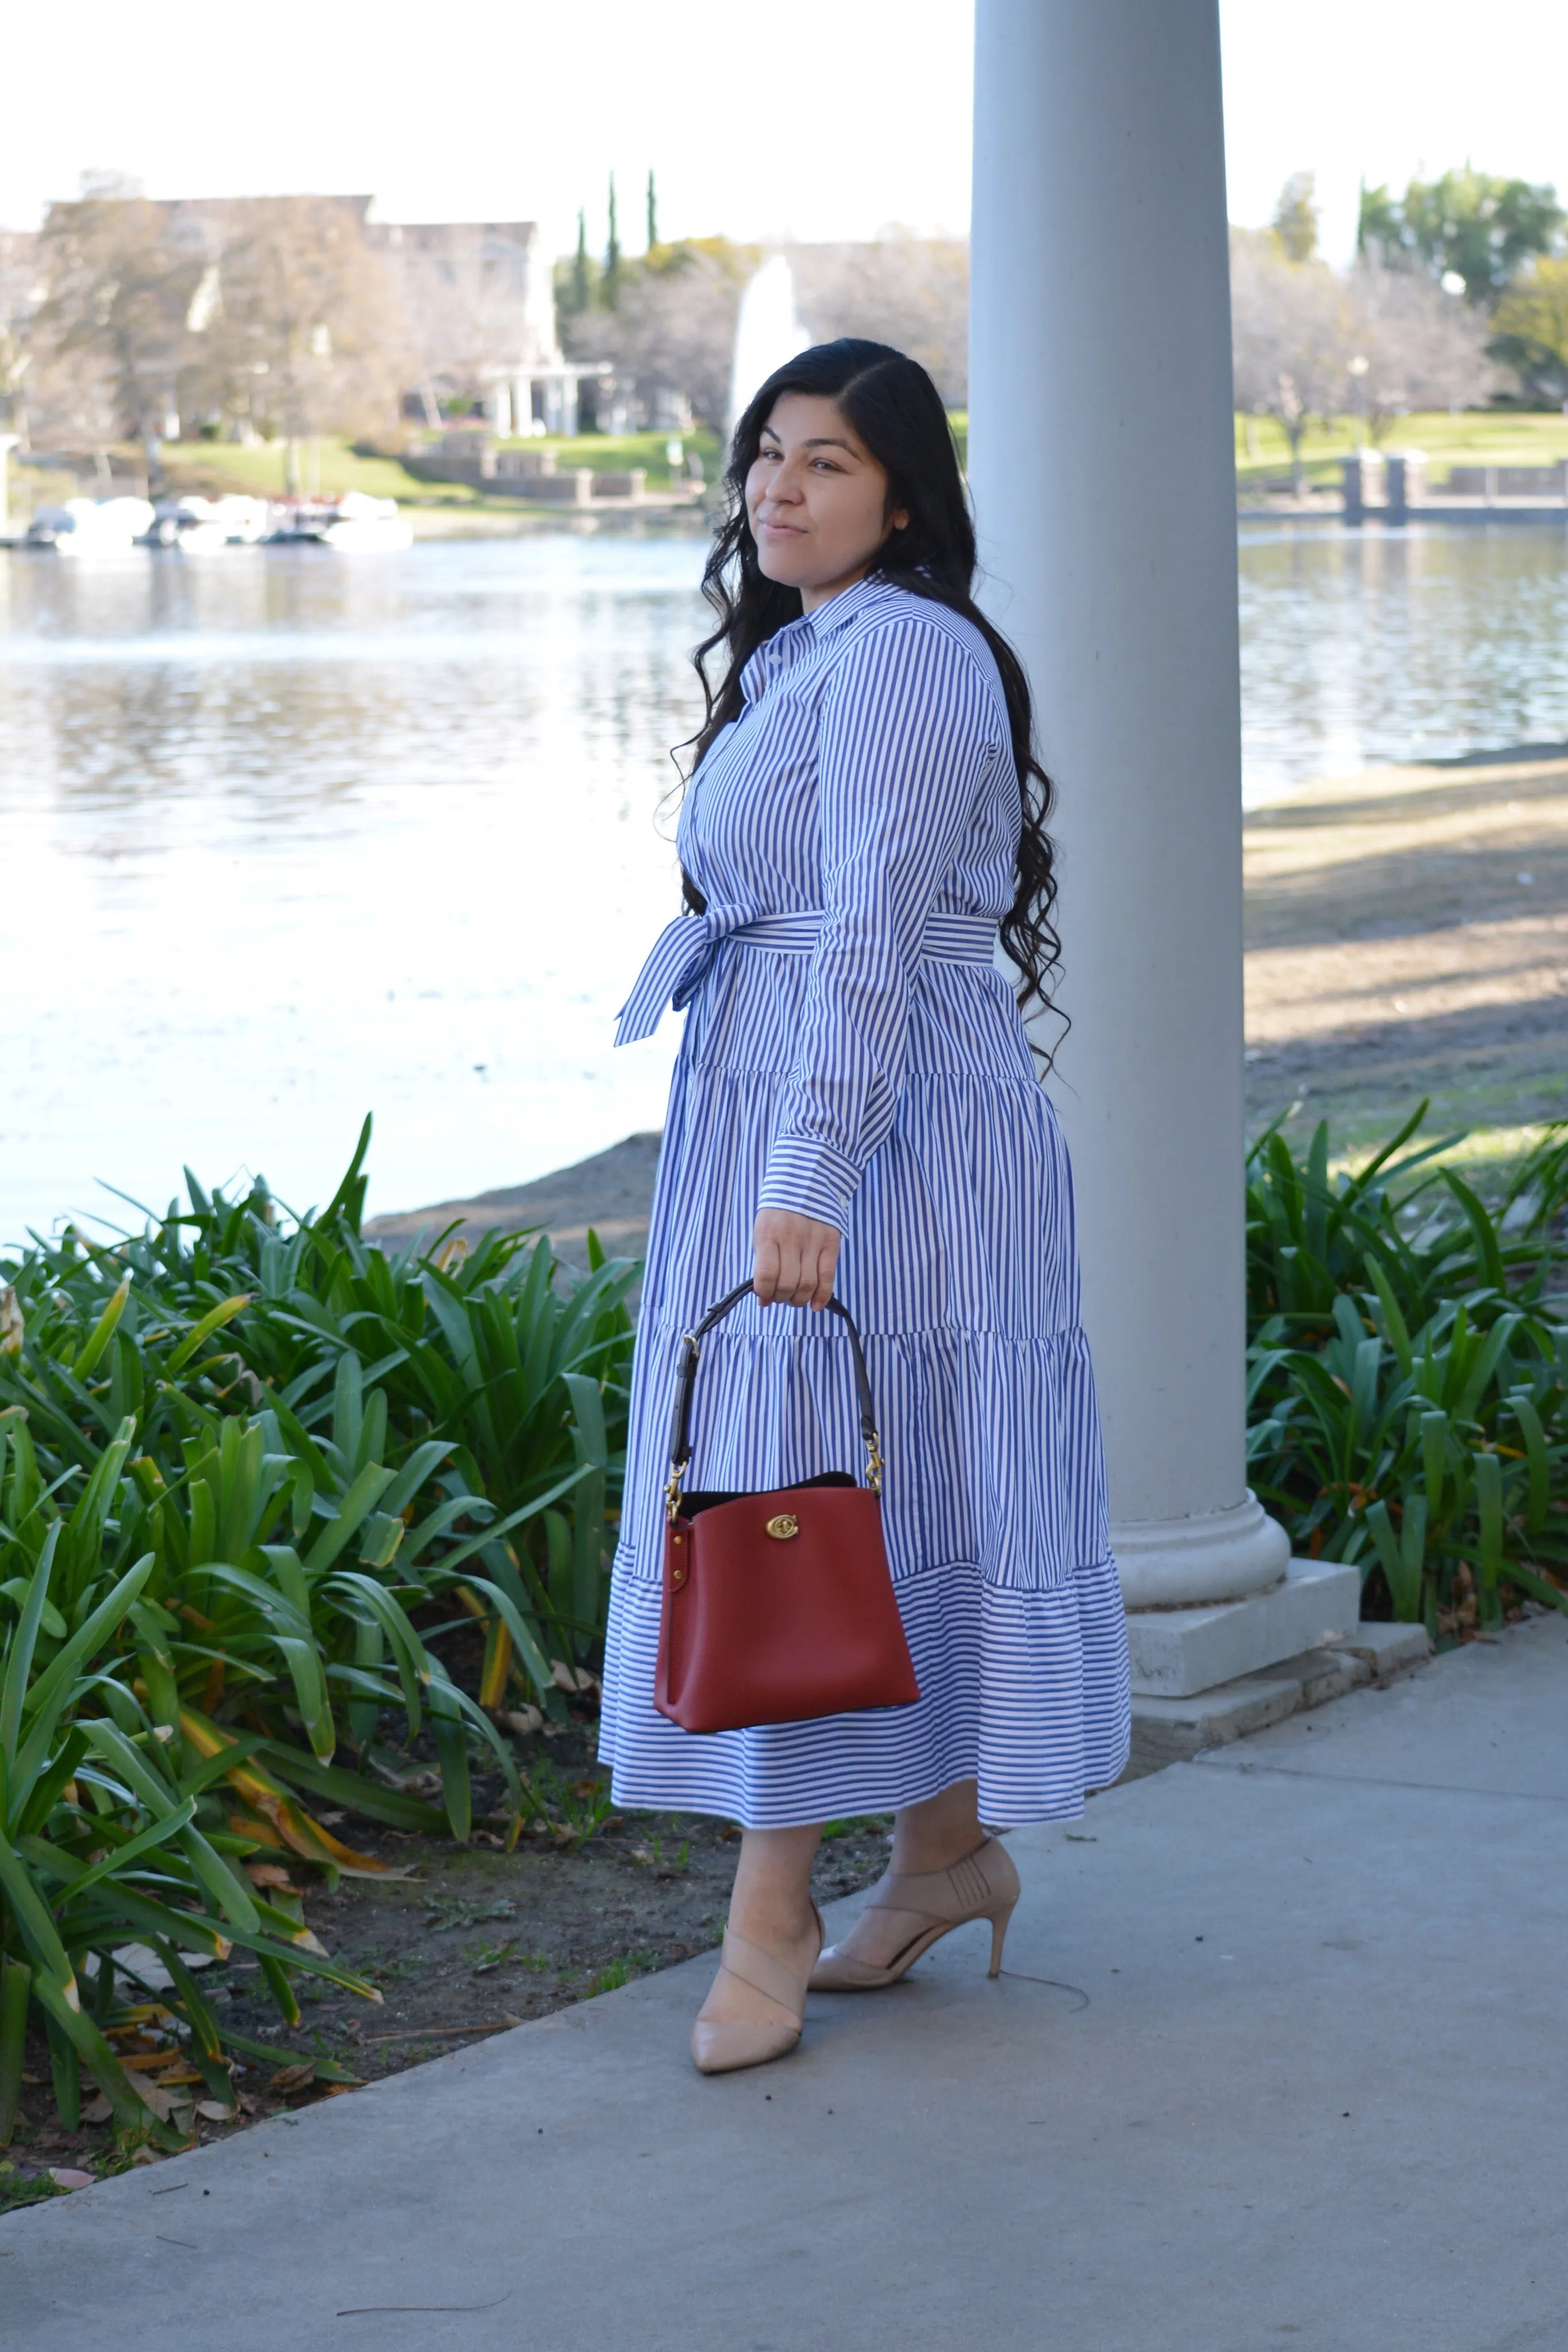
(848, 604)
(800, 636)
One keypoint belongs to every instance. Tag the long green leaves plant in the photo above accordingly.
(1409, 1372)
(254, 1474)
(109, 1832)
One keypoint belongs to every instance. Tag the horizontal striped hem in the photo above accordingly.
(1027, 1694)
(649, 1575)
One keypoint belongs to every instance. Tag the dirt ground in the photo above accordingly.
(1408, 935)
(459, 1941)
(613, 1192)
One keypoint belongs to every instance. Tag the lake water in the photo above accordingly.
(286, 836)
(1364, 646)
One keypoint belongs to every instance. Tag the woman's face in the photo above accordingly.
(816, 499)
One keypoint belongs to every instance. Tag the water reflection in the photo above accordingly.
(302, 837)
(1366, 646)
(287, 836)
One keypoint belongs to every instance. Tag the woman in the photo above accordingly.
(855, 1107)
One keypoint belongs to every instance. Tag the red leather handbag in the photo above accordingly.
(778, 1607)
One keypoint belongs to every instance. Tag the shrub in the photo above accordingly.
(248, 1471)
(1408, 1373)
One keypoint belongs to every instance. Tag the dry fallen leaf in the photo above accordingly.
(212, 2110)
(98, 2112)
(575, 1679)
(293, 2078)
(270, 1873)
(64, 2175)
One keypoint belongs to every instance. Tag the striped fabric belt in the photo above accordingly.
(683, 954)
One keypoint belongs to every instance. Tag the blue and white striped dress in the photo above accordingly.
(851, 1053)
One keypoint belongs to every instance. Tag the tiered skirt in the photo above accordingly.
(960, 1269)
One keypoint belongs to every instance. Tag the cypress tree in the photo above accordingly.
(653, 213)
(610, 286)
(580, 289)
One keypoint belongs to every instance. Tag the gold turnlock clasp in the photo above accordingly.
(673, 1496)
(785, 1525)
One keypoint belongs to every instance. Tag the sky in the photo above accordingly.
(827, 118)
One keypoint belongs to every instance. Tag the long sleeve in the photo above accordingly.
(909, 726)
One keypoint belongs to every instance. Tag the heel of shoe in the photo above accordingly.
(999, 1920)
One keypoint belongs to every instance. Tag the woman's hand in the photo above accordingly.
(797, 1259)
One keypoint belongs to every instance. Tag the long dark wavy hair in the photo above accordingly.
(898, 413)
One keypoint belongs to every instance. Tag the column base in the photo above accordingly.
(1177, 1730)
(1187, 1563)
(1179, 1652)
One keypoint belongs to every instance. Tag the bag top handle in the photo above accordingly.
(680, 1424)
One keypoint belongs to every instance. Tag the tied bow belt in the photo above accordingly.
(683, 954)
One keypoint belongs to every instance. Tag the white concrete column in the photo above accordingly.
(1102, 461)
(501, 406)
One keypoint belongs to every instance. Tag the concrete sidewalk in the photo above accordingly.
(1279, 2057)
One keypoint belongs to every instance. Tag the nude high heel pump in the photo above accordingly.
(721, 2046)
(984, 1886)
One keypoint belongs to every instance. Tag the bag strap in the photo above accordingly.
(685, 1380)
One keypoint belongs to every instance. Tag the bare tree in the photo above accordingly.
(470, 301)
(21, 296)
(673, 324)
(1422, 348)
(301, 333)
(1292, 337)
(911, 292)
(111, 327)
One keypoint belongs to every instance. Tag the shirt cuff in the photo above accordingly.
(808, 1180)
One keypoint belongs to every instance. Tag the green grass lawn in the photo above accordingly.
(1476, 436)
(608, 453)
(212, 466)
(31, 487)
(217, 465)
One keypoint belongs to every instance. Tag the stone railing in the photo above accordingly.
(1393, 487)
(474, 461)
(1509, 481)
